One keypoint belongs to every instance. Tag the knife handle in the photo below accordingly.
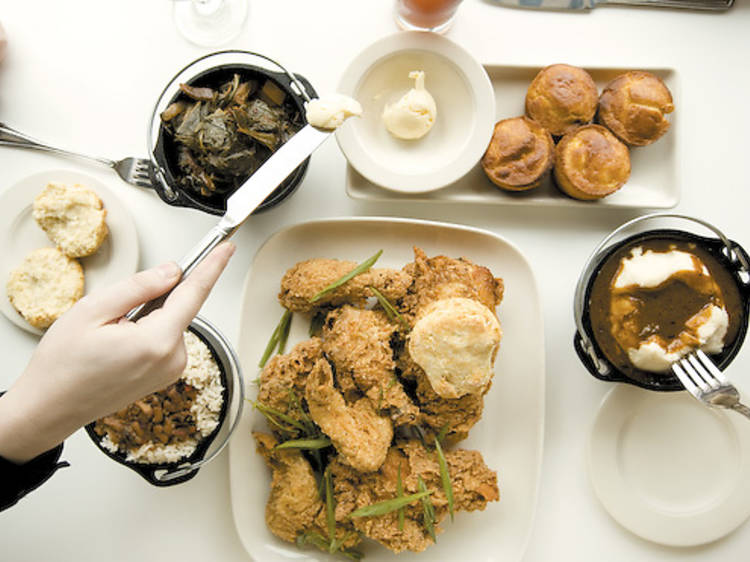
(689, 4)
(215, 236)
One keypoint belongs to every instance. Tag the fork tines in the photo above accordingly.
(698, 374)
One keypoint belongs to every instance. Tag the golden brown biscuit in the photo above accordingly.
(591, 163)
(73, 217)
(520, 153)
(634, 107)
(44, 286)
(562, 97)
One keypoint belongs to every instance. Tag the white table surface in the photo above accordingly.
(86, 73)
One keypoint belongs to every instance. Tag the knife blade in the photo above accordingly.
(245, 200)
(713, 5)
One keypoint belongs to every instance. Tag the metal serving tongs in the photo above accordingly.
(244, 201)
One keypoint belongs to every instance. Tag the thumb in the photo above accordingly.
(113, 302)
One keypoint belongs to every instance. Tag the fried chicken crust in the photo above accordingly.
(473, 483)
(294, 503)
(307, 278)
(359, 433)
(283, 379)
(358, 342)
(441, 277)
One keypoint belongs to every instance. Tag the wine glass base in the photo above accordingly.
(408, 26)
(210, 23)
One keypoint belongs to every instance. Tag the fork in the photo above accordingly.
(135, 171)
(707, 383)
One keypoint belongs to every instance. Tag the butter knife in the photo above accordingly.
(244, 201)
(714, 5)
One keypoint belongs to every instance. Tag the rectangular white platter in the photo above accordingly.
(654, 178)
(509, 435)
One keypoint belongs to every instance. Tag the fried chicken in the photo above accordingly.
(358, 342)
(441, 277)
(359, 433)
(282, 381)
(303, 281)
(473, 484)
(294, 503)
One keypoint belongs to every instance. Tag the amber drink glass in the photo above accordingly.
(426, 15)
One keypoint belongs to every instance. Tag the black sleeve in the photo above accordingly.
(17, 480)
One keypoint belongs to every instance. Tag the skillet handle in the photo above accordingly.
(215, 236)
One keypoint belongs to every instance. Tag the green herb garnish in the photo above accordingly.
(320, 443)
(443, 433)
(281, 330)
(400, 492)
(445, 476)
(276, 418)
(387, 506)
(429, 510)
(390, 310)
(330, 510)
(361, 268)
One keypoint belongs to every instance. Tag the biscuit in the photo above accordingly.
(562, 97)
(591, 163)
(634, 107)
(520, 153)
(455, 342)
(73, 218)
(44, 286)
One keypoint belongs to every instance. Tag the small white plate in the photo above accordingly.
(654, 178)
(510, 433)
(465, 112)
(668, 468)
(20, 234)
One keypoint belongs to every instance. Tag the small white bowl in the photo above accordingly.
(465, 112)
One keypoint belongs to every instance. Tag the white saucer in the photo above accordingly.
(668, 468)
(19, 235)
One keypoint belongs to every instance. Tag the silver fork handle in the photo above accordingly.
(742, 409)
(11, 137)
(690, 4)
(215, 236)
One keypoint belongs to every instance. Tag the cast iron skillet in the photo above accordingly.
(163, 157)
(591, 354)
(151, 472)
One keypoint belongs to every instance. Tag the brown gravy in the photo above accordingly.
(662, 310)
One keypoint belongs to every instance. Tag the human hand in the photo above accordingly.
(92, 361)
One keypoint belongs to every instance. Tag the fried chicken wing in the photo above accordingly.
(303, 281)
(359, 433)
(294, 503)
(282, 381)
(441, 277)
(359, 344)
(473, 484)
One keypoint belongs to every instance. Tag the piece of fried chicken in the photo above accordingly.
(441, 277)
(358, 342)
(307, 278)
(359, 433)
(473, 484)
(282, 381)
(294, 505)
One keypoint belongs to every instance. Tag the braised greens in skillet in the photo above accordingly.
(222, 135)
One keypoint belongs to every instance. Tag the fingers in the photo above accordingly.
(185, 301)
(113, 302)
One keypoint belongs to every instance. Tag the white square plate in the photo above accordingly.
(509, 435)
(654, 178)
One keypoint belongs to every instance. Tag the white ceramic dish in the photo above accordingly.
(668, 468)
(19, 234)
(510, 433)
(653, 183)
(463, 126)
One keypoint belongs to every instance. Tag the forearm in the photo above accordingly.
(30, 426)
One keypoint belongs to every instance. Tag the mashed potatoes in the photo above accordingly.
(455, 342)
